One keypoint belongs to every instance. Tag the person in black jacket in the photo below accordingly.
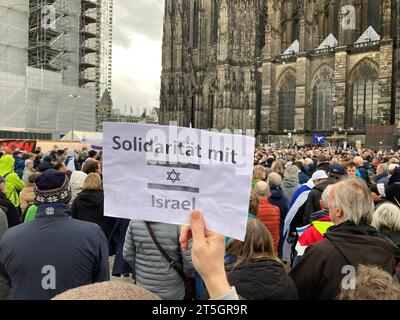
(392, 190)
(258, 274)
(7, 207)
(53, 253)
(89, 205)
(325, 266)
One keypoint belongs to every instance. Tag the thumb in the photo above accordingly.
(198, 228)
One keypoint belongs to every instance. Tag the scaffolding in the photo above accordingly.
(88, 49)
(48, 49)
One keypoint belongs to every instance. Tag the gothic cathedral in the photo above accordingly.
(299, 67)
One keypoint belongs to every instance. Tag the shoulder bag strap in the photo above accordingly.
(171, 261)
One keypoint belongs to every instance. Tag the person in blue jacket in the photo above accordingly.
(53, 253)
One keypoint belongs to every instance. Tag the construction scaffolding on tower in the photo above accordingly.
(48, 48)
(88, 44)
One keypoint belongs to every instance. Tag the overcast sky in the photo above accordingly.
(137, 40)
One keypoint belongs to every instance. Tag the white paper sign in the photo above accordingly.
(162, 174)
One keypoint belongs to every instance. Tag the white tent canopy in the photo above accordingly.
(84, 137)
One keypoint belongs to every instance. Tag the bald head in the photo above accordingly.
(262, 189)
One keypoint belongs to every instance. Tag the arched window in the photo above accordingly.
(365, 89)
(322, 100)
(287, 102)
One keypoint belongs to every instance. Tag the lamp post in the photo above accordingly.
(74, 97)
(346, 133)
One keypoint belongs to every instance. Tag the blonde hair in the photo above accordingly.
(259, 172)
(277, 167)
(292, 171)
(257, 244)
(387, 216)
(372, 283)
(92, 182)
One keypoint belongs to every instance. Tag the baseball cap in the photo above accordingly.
(337, 169)
(319, 175)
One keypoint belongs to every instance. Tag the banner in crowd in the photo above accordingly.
(162, 174)
(23, 145)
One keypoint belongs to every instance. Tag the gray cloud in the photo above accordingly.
(133, 18)
(140, 16)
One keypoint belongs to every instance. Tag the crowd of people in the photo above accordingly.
(323, 223)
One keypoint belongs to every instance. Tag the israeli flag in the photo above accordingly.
(318, 139)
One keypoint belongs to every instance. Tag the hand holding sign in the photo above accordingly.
(208, 252)
(162, 174)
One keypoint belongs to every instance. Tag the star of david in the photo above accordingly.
(173, 176)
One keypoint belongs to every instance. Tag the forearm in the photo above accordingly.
(217, 285)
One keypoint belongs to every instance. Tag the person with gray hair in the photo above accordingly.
(387, 220)
(349, 243)
(381, 174)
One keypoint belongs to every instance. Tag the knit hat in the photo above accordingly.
(52, 187)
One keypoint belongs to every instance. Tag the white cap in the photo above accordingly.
(319, 175)
(393, 166)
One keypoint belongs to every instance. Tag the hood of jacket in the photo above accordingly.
(91, 199)
(291, 182)
(322, 215)
(6, 165)
(359, 241)
(276, 193)
(263, 279)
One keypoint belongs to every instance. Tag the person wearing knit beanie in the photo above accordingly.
(52, 187)
(53, 253)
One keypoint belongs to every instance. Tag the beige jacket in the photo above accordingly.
(26, 197)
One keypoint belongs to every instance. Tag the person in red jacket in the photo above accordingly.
(268, 214)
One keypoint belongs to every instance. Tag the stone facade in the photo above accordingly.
(281, 67)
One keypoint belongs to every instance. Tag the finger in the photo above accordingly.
(198, 229)
(184, 237)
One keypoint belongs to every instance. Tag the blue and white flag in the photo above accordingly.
(318, 139)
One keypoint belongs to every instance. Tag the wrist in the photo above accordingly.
(217, 284)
